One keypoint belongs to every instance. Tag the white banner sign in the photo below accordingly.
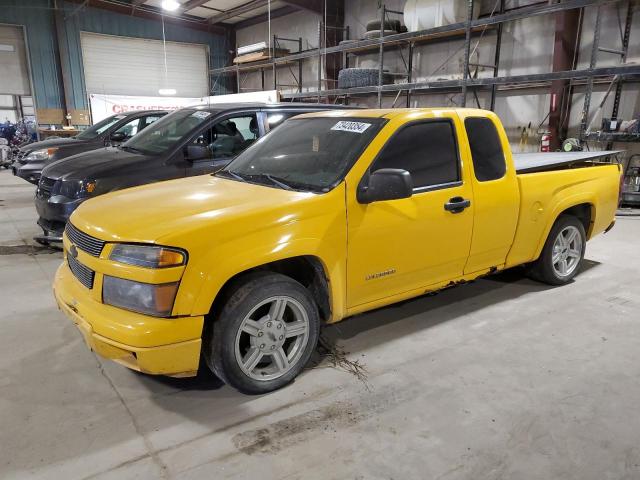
(103, 106)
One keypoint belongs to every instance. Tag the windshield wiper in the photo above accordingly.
(130, 149)
(235, 175)
(278, 181)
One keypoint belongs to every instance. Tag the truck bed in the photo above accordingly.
(542, 161)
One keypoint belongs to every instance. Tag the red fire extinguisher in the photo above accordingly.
(545, 142)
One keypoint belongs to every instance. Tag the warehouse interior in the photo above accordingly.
(496, 372)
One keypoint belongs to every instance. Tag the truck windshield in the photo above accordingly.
(94, 130)
(305, 154)
(168, 131)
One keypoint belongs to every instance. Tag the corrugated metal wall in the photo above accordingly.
(37, 16)
(37, 19)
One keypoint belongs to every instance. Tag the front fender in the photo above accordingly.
(231, 266)
(319, 230)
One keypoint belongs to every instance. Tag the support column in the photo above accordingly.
(335, 34)
(565, 48)
(66, 86)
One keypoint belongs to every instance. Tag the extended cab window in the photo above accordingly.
(427, 150)
(486, 149)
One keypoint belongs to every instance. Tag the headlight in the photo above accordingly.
(41, 154)
(148, 256)
(76, 188)
(150, 299)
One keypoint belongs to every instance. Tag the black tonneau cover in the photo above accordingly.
(540, 161)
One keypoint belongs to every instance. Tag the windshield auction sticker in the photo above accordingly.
(355, 127)
(200, 114)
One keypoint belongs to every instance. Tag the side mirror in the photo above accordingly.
(196, 152)
(118, 137)
(386, 184)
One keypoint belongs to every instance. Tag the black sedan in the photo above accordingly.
(113, 130)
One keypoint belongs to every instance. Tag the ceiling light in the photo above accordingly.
(170, 5)
(167, 91)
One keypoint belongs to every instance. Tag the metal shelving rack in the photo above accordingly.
(468, 29)
(271, 64)
(585, 125)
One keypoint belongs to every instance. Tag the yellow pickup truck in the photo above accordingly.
(330, 215)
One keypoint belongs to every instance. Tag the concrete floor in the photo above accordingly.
(504, 378)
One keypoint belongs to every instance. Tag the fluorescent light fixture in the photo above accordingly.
(167, 91)
(254, 47)
(170, 5)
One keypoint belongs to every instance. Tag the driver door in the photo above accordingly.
(398, 246)
(223, 140)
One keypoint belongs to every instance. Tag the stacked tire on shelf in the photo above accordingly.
(361, 77)
(368, 77)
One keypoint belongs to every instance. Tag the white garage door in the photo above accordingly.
(13, 62)
(133, 66)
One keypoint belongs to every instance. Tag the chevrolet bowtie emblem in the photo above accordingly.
(73, 251)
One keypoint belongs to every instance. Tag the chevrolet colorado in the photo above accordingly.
(333, 214)
(187, 142)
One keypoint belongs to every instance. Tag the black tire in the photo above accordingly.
(361, 77)
(543, 269)
(394, 25)
(42, 241)
(219, 344)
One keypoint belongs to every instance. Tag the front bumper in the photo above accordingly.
(29, 171)
(56, 209)
(158, 346)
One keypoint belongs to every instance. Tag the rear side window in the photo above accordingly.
(486, 149)
(427, 150)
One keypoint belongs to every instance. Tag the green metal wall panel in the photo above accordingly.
(37, 16)
(37, 19)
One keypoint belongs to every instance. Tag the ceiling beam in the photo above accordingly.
(153, 14)
(313, 6)
(263, 17)
(191, 4)
(239, 10)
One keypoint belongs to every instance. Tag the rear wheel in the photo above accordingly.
(265, 334)
(562, 254)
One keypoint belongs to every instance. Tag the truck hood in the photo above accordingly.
(53, 143)
(157, 212)
(93, 164)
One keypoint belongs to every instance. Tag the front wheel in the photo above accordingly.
(265, 334)
(562, 254)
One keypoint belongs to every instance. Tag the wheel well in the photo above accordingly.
(307, 270)
(584, 213)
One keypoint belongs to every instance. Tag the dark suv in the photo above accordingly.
(113, 130)
(190, 141)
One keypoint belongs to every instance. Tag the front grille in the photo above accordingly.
(87, 243)
(83, 274)
(20, 155)
(45, 187)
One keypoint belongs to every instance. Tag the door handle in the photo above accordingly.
(457, 204)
